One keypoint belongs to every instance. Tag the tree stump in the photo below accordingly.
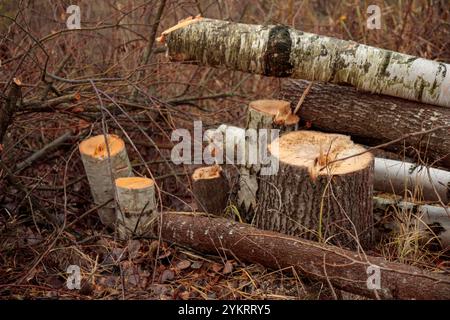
(99, 167)
(136, 210)
(211, 189)
(314, 197)
(262, 114)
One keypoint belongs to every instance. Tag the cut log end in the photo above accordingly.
(134, 183)
(96, 146)
(319, 152)
(280, 110)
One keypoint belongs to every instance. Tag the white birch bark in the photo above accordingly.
(285, 52)
(399, 177)
(99, 167)
(136, 210)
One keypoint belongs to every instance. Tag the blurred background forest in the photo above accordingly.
(114, 61)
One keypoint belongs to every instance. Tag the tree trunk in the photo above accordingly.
(281, 51)
(374, 119)
(343, 269)
(104, 163)
(136, 210)
(314, 200)
(262, 114)
(211, 189)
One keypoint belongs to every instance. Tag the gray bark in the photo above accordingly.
(374, 119)
(281, 51)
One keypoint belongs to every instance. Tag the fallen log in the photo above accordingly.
(432, 223)
(343, 269)
(315, 200)
(373, 119)
(404, 178)
(281, 51)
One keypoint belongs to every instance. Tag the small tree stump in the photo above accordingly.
(211, 189)
(312, 197)
(262, 114)
(136, 210)
(98, 167)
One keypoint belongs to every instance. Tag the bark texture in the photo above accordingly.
(211, 190)
(99, 167)
(374, 119)
(281, 51)
(262, 114)
(327, 206)
(136, 206)
(344, 269)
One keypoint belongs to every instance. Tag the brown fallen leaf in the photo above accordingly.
(167, 275)
(184, 264)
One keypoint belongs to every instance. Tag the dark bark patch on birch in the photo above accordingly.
(277, 56)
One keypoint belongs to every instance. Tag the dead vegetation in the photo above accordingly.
(111, 76)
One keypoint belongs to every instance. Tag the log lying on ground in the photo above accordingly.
(262, 114)
(432, 223)
(344, 269)
(211, 189)
(281, 51)
(103, 164)
(373, 119)
(416, 181)
(313, 199)
(136, 210)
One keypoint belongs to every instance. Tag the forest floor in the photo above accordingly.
(47, 220)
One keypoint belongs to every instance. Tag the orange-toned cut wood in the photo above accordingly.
(134, 182)
(96, 146)
(279, 109)
(212, 172)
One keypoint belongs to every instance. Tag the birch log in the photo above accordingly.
(374, 119)
(99, 167)
(136, 211)
(315, 200)
(343, 269)
(408, 179)
(281, 51)
(432, 223)
(265, 115)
